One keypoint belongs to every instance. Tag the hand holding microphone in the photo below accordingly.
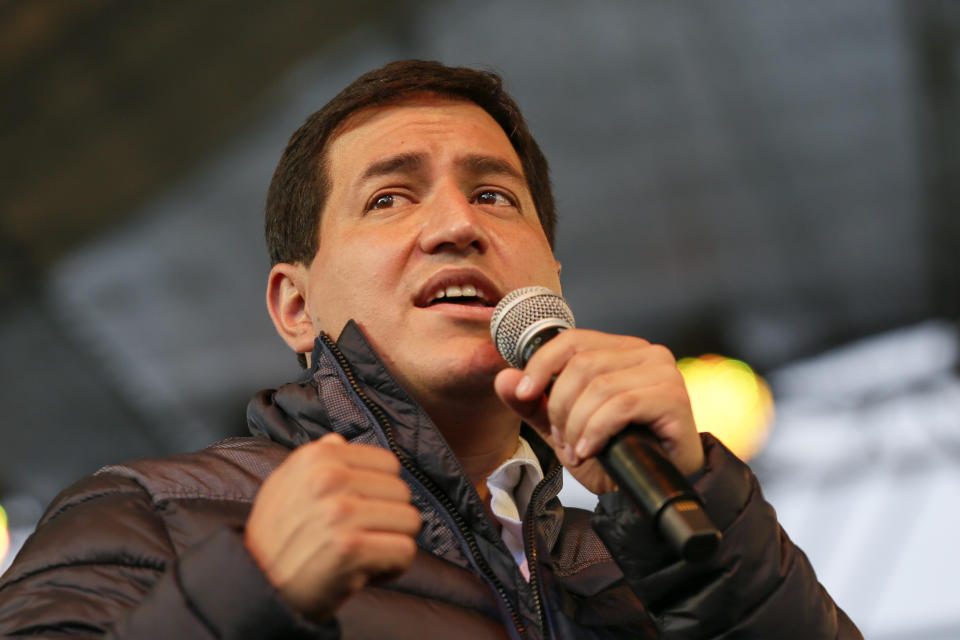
(611, 402)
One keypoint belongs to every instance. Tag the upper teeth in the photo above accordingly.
(457, 291)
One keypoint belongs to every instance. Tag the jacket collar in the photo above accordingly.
(414, 431)
(330, 397)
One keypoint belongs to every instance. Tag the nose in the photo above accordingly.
(451, 223)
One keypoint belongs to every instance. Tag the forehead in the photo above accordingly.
(422, 122)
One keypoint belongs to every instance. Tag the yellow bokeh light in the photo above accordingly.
(730, 401)
(4, 535)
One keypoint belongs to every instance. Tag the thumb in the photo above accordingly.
(533, 412)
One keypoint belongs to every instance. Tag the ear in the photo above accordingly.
(287, 305)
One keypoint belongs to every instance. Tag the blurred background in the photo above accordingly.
(772, 181)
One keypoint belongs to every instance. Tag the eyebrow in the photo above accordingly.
(483, 164)
(413, 162)
(403, 162)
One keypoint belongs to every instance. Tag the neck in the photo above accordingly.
(482, 435)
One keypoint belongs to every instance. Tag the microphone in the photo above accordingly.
(522, 322)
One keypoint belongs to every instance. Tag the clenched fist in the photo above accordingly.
(329, 519)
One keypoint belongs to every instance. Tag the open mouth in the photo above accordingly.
(465, 294)
(463, 288)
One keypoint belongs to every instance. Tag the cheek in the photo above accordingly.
(357, 288)
(552, 275)
(330, 297)
(539, 265)
(486, 358)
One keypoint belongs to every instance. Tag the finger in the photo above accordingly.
(333, 448)
(608, 419)
(533, 413)
(658, 406)
(550, 359)
(342, 567)
(367, 514)
(592, 377)
(370, 514)
(378, 554)
(362, 482)
(601, 388)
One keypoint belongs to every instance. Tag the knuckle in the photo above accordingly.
(326, 443)
(341, 508)
(579, 359)
(408, 549)
(414, 520)
(403, 490)
(675, 385)
(346, 545)
(391, 461)
(384, 458)
(303, 453)
(318, 451)
(556, 413)
(356, 582)
(602, 384)
(680, 395)
(328, 479)
(642, 342)
(586, 364)
(660, 352)
(575, 344)
(626, 404)
(569, 338)
(601, 427)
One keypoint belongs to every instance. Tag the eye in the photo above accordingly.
(494, 198)
(388, 201)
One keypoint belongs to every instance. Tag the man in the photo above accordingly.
(406, 487)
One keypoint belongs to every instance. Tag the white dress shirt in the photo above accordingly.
(511, 485)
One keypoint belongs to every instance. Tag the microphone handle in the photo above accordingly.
(637, 463)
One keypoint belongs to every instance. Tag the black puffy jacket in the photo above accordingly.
(153, 548)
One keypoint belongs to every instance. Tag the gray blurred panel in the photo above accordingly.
(734, 164)
(63, 418)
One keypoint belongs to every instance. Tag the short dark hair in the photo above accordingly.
(301, 182)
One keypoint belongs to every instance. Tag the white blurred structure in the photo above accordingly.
(864, 469)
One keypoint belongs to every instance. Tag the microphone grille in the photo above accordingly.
(518, 311)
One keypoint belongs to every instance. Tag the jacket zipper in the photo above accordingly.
(429, 485)
(531, 548)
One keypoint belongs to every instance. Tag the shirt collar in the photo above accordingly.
(512, 483)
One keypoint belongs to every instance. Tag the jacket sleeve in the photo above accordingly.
(757, 585)
(101, 565)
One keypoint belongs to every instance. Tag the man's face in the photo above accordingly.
(429, 222)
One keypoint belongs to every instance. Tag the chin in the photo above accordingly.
(486, 359)
(466, 371)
